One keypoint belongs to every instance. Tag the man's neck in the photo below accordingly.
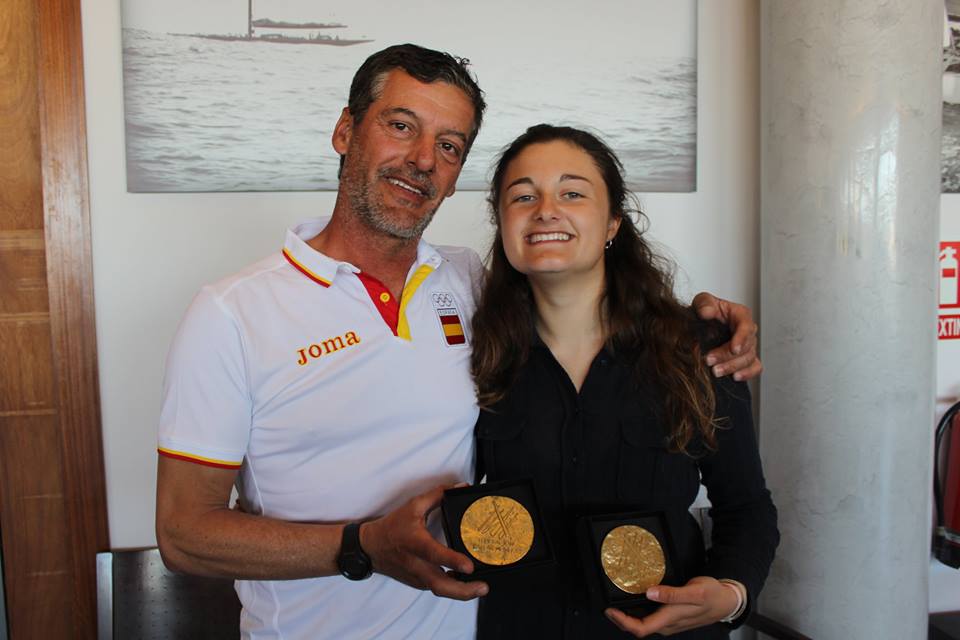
(386, 258)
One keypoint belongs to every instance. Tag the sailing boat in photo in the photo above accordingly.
(284, 32)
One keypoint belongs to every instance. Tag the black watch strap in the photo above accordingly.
(352, 561)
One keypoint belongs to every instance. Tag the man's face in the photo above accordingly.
(404, 157)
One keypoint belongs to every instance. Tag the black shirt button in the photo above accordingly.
(576, 612)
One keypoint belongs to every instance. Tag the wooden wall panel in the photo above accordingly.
(27, 383)
(35, 494)
(38, 567)
(63, 152)
(52, 488)
(23, 271)
(42, 621)
(21, 196)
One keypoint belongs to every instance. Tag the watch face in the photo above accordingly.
(354, 566)
(352, 562)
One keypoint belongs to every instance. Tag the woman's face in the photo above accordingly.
(555, 212)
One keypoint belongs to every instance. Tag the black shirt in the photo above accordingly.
(604, 450)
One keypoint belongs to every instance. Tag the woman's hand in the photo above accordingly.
(739, 356)
(701, 601)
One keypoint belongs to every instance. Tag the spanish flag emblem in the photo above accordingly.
(452, 326)
(445, 305)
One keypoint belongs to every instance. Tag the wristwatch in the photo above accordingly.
(352, 561)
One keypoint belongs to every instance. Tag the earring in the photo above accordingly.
(608, 244)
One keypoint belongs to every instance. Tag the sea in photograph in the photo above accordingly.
(950, 149)
(211, 115)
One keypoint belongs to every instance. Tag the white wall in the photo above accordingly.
(152, 252)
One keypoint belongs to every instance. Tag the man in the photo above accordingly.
(330, 383)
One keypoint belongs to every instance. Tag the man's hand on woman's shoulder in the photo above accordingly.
(738, 357)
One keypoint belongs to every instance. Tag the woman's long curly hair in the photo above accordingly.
(644, 323)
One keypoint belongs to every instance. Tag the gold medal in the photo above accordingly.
(632, 558)
(496, 530)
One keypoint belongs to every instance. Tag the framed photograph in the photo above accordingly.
(242, 95)
(950, 148)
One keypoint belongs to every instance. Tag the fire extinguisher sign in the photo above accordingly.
(949, 322)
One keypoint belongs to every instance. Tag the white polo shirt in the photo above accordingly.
(335, 403)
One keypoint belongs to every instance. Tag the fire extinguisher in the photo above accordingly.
(949, 278)
(946, 488)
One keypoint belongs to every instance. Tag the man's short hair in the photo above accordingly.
(426, 65)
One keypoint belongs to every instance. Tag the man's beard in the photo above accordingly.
(373, 212)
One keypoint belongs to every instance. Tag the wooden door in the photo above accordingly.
(52, 489)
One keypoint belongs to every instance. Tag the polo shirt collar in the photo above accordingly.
(427, 255)
(323, 269)
(307, 260)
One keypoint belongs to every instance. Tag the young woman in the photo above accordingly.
(590, 376)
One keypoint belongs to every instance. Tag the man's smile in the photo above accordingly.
(404, 185)
(418, 189)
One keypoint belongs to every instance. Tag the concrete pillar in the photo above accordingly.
(850, 137)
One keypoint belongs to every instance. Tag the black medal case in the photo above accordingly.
(456, 502)
(593, 529)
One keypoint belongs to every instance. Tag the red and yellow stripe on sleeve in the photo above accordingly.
(190, 457)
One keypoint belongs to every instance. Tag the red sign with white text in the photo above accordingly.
(948, 325)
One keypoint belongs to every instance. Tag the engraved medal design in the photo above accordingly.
(497, 530)
(449, 316)
(632, 558)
